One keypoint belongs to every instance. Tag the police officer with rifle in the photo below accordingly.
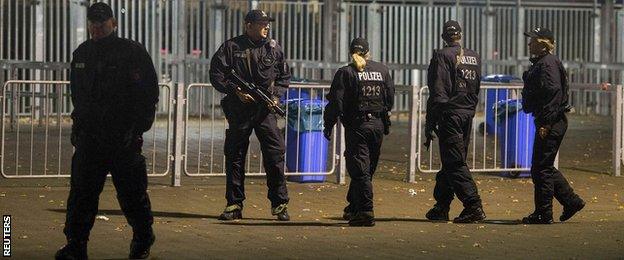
(249, 68)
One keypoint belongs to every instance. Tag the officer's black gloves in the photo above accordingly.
(133, 141)
(429, 136)
(327, 132)
(387, 123)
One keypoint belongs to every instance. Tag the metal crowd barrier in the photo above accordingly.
(618, 130)
(205, 132)
(592, 99)
(41, 149)
(35, 140)
(484, 152)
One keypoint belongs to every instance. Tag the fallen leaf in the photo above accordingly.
(102, 217)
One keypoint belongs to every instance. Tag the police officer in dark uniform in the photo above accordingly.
(545, 95)
(114, 90)
(454, 77)
(361, 95)
(259, 60)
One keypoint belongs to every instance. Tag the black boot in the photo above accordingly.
(73, 250)
(470, 215)
(281, 212)
(232, 212)
(363, 219)
(438, 213)
(538, 218)
(569, 211)
(140, 246)
(347, 213)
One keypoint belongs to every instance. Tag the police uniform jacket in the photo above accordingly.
(453, 85)
(114, 89)
(545, 92)
(354, 94)
(261, 63)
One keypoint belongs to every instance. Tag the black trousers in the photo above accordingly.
(363, 144)
(454, 178)
(90, 165)
(548, 180)
(241, 124)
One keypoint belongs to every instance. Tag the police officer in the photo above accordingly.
(545, 95)
(114, 90)
(260, 60)
(454, 76)
(361, 95)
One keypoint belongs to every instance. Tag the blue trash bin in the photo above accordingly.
(306, 147)
(515, 136)
(493, 96)
(294, 95)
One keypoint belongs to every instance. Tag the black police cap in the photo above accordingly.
(99, 12)
(359, 44)
(541, 32)
(258, 16)
(450, 28)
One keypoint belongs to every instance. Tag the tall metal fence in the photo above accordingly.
(315, 34)
(181, 36)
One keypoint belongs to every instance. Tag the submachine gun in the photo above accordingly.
(258, 94)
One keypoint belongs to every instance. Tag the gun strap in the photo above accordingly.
(248, 51)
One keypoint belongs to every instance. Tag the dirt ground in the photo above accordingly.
(186, 226)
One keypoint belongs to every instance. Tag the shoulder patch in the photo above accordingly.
(273, 43)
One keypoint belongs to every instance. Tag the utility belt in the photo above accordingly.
(368, 116)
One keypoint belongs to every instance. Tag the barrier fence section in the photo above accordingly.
(205, 125)
(491, 138)
(36, 130)
(501, 138)
(618, 130)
